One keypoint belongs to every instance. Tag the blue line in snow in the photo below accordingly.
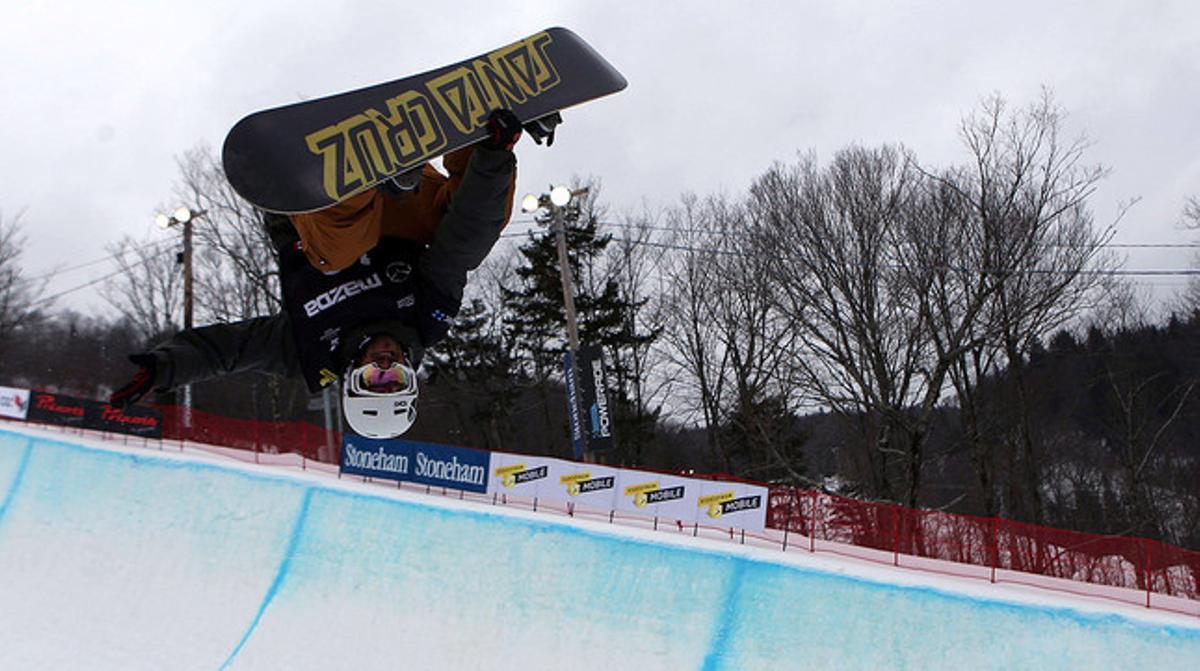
(726, 619)
(284, 567)
(17, 479)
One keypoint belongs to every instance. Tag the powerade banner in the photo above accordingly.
(593, 393)
(14, 403)
(84, 413)
(410, 461)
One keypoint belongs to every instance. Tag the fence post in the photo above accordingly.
(895, 535)
(812, 523)
(1149, 574)
(994, 546)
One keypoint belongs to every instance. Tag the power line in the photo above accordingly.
(98, 280)
(660, 245)
(96, 262)
(701, 231)
(997, 271)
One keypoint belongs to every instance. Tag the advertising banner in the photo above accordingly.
(731, 504)
(410, 461)
(585, 484)
(523, 475)
(657, 495)
(85, 413)
(593, 393)
(573, 407)
(14, 403)
(57, 409)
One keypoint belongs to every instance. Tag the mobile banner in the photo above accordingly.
(657, 495)
(593, 393)
(523, 475)
(84, 413)
(586, 484)
(14, 403)
(410, 461)
(731, 504)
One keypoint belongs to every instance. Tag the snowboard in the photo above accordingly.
(313, 154)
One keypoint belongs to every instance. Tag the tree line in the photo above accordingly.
(939, 336)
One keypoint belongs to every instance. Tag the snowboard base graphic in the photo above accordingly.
(313, 154)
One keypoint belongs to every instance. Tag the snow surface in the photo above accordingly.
(130, 558)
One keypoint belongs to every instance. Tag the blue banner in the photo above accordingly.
(409, 461)
(573, 407)
(593, 397)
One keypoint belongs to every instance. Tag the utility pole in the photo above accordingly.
(555, 203)
(184, 216)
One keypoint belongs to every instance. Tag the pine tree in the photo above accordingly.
(535, 318)
(479, 372)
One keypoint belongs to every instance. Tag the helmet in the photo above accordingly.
(379, 402)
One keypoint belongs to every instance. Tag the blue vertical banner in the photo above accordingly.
(593, 392)
(573, 407)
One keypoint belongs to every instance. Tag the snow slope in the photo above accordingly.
(113, 558)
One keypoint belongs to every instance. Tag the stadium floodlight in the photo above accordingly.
(560, 196)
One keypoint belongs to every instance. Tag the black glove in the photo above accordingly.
(543, 128)
(141, 384)
(405, 181)
(504, 129)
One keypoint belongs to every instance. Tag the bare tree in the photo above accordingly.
(727, 341)
(691, 343)
(838, 264)
(1191, 212)
(148, 291)
(19, 296)
(234, 264)
(1145, 408)
(237, 275)
(1188, 299)
(1029, 262)
(1120, 306)
(632, 261)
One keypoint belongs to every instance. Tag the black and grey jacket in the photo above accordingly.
(407, 290)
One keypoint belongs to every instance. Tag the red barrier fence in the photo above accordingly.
(308, 440)
(995, 543)
(998, 544)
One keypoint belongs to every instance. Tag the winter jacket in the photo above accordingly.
(401, 287)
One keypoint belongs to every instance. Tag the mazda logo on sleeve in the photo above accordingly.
(398, 271)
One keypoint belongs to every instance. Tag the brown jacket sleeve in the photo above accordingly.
(335, 237)
(476, 213)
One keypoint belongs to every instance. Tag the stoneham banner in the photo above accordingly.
(558, 481)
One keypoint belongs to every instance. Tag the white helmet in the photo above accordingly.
(379, 402)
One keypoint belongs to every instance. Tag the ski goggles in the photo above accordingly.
(374, 380)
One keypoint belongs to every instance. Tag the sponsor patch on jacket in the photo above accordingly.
(340, 293)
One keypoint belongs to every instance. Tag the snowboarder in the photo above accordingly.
(368, 284)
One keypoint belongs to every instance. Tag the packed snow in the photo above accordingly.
(129, 558)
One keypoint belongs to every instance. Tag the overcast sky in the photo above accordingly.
(97, 99)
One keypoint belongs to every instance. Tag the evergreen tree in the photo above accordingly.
(535, 318)
(477, 369)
